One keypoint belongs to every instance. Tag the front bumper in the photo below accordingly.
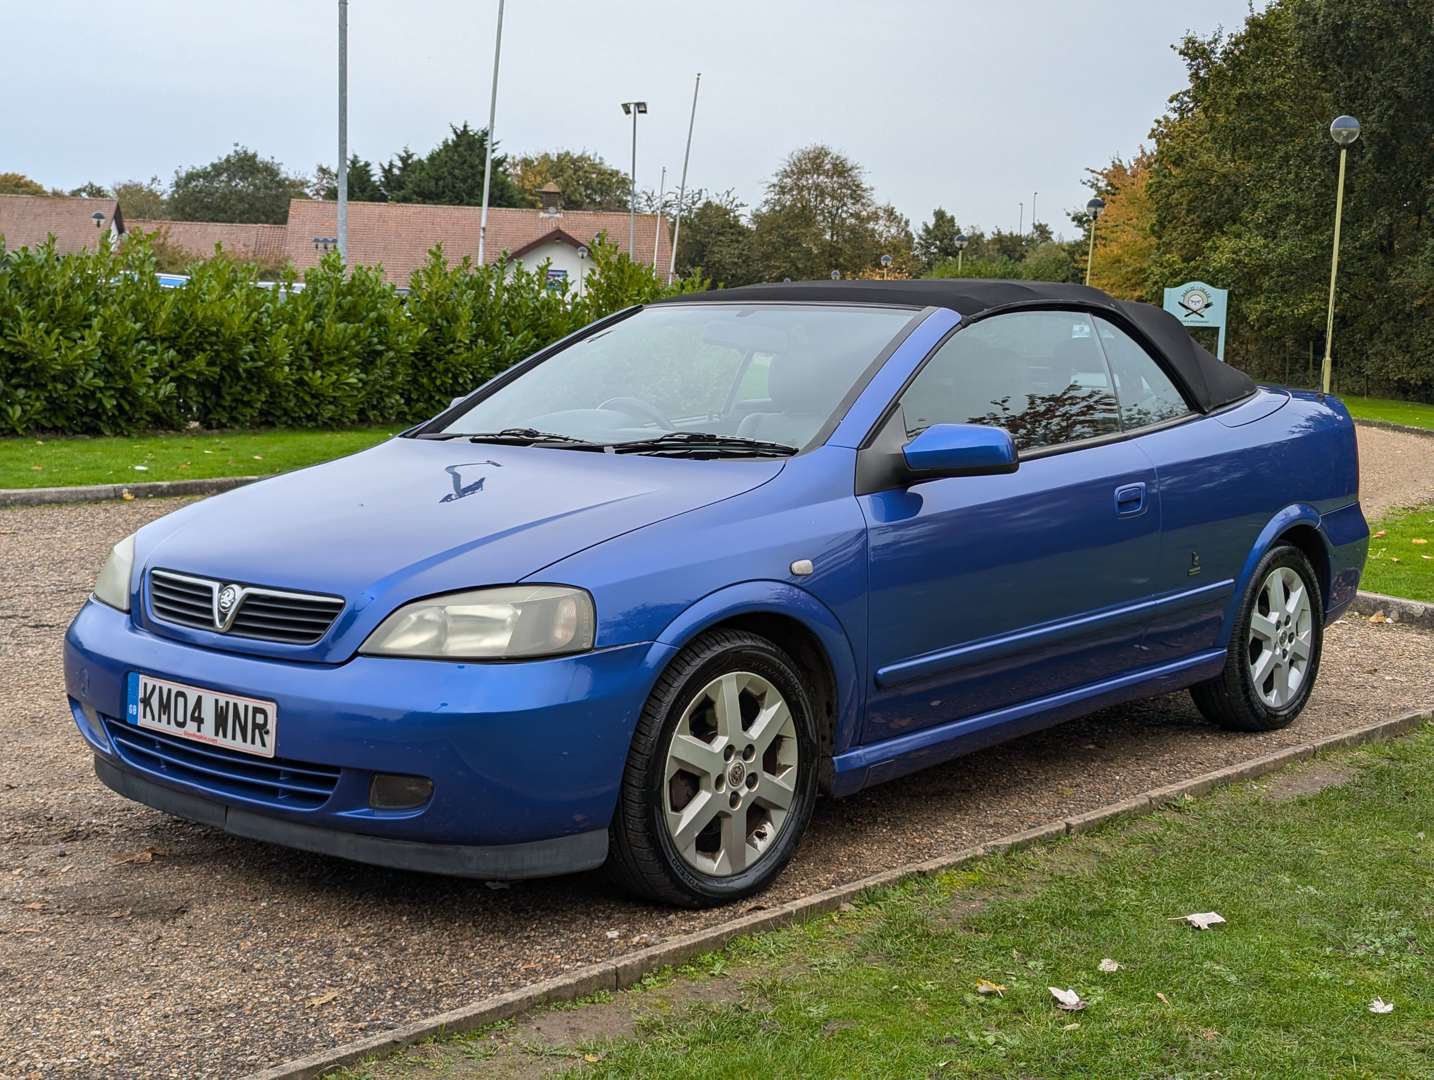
(519, 753)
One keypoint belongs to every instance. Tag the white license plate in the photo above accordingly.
(206, 716)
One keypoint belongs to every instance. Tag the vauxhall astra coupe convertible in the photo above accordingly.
(640, 598)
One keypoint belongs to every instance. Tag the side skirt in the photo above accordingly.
(864, 766)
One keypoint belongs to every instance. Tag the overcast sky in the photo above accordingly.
(971, 106)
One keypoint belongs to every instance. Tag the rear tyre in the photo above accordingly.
(1274, 651)
(721, 778)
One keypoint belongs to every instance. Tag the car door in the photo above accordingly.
(986, 592)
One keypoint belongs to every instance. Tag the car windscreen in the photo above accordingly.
(764, 372)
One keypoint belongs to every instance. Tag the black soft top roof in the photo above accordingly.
(1209, 382)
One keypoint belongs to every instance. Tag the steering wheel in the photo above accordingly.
(637, 407)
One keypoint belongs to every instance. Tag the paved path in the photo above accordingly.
(131, 943)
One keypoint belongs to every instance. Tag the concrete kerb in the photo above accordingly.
(1390, 425)
(1395, 609)
(103, 492)
(628, 970)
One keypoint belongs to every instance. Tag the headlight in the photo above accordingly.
(489, 624)
(112, 586)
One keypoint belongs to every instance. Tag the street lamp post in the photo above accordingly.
(961, 242)
(1343, 131)
(343, 176)
(885, 266)
(488, 148)
(582, 269)
(633, 109)
(1093, 208)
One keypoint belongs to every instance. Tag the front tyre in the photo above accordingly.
(721, 778)
(1274, 651)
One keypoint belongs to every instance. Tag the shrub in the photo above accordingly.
(91, 344)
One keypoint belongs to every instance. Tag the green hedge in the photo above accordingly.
(91, 344)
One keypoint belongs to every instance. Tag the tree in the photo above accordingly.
(586, 180)
(715, 240)
(143, 199)
(90, 190)
(937, 239)
(13, 183)
(451, 173)
(818, 215)
(363, 185)
(1124, 238)
(240, 187)
(894, 238)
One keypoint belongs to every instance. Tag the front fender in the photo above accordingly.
(783, 599)
(1277, 526)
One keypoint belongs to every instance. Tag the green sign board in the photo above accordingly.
(1202, 306)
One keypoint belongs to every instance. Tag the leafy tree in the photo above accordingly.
(13, 183)
(451, 173)
(240, 187)
(143, 199)
(818, 215)
(894, 238)
(90, 190)
(716, 241)
(363, 185)
(937, 239)
(587, 181)
(1125, 238)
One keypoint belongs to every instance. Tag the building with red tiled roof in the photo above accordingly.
(76, 224)
(259, 243)
(398, 236)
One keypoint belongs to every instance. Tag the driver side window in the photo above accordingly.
(1041, 375)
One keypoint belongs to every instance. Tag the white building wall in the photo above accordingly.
(561, 256)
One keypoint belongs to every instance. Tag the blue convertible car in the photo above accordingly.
(640, 598)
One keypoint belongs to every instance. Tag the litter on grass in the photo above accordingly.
(1068, 1000)
(1108, 965)
(1379, 1005)
(1201, 920)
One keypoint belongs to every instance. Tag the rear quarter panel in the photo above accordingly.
(1231, 484)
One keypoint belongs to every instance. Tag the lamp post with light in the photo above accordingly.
(582, 269)
(1093, 208)
(885, 266)
(1344, 131)
(961, 242)
(633, 109)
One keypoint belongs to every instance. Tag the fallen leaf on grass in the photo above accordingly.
(1419, 540)
(1201, 920)
(1209, 1034)
(592, 1059)
(1068, 1000)
(1379, 1005)
(140, 468)
(37, 468)
(986, 986)
(322, 999)
(1380, 534)
(149, 854)
(258, 457)
(1164, 1000)
(1071, 1026)
(1108, 965)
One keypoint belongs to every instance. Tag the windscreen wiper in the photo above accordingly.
(526, 436)
(702, 442)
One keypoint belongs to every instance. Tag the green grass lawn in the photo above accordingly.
(57, 462)
(1327, 901)
(1409, 413)
(1401, 555)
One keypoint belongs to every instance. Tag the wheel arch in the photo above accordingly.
(805, 628)
(1297, 524)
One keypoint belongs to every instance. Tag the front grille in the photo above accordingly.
(290, 785)
(263, 613)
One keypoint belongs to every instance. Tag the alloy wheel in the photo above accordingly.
(729, 782)
(1280, 641)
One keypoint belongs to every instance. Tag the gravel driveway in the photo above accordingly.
(134, 944)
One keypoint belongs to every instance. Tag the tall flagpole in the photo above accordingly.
(488, 150)
(682, 187)
(657, 228)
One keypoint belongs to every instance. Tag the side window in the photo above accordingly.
(1039, 374)
(1147, 396)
